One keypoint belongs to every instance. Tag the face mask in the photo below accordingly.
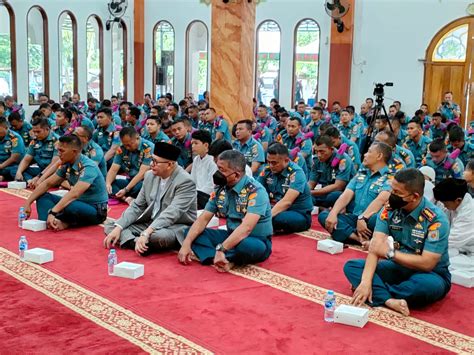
(220, 179)
(396, 202)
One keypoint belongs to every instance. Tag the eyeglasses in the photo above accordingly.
(153, 161)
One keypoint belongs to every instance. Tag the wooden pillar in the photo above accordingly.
(340, 60)
(232, 59)
(138, 50)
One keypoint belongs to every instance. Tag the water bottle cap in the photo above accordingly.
(22, 208)
(330, 292)
(112, 251)
(22, 237)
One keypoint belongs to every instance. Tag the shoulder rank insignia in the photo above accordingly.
(384, 214)
(428, 214)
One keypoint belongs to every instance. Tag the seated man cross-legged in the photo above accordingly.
(249, 223)
(413, 271)
(164, 208)
(86, 202)
(364, 196)
(286, 186)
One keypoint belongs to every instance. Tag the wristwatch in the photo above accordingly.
(221, 248)
(126, 189)
(391, 248)
(54, 214)
(362, 218)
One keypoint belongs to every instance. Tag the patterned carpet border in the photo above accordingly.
(421, 330)
(413, 327)
(126, 324)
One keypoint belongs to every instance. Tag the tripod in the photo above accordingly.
(378, 110)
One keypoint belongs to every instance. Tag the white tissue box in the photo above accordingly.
(34, 225)
(463, 278)
(214, 222)
(17, 185)
(330, 246)
(59, 193)
(315, 210)
(224, 227)
(351, 315)
(129, 270)
(39, 255)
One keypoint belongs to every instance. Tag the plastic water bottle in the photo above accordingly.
(22, 247)
(329, 306)
(21, 217)
(112, 261)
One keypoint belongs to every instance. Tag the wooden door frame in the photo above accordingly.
(467, 63)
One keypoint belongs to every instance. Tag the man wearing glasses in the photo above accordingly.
(164, 208)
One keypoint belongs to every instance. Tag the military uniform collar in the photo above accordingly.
(75, 165)
(110, 128)
(240, 185)
(417, 211)
(381, 172)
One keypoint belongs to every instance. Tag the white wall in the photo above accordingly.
(286, 13)
(179, 13)
(390, 38)
(81, 10)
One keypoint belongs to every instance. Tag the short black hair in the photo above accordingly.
(437, 114)
(155, 118)
(15, 116)
(106, 103)
(219, 146)
(324, 128)
(134, 111)
(179, 120)
(416, 120)
(450, 189)
(385, 149)
(175, 106)
(332, 132)
(88, 131)
(41, 122)
(325, 139)
(412, 179)
(437, 145)
(105, 110)
(3, 122)
(128, 131)
(470, 165)
(203, 136)
(456, 134)
(317, 108)
(391, 139)
(45, 105)
(92, 99)
(350, 109)
(247, 123)
(55, 107)
(278, 149)
(71, 140)
(297, 119)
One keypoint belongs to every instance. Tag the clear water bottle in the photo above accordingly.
(22, 247)
(21, 217)
(329, 306)
(112, 261)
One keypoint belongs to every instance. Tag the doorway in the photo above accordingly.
(449, 67)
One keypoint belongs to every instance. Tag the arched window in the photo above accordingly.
(67, 54)
(163, 54)
(267, 76)
(452, 47)
(197, 42)
(119, 59)
(7, 51)
(95, 57)
(38, 61)
(306, 62)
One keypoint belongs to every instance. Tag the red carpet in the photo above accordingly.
(319, 268)
(222, 313)
(31, 322)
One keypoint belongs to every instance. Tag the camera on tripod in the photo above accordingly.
(379, 91)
